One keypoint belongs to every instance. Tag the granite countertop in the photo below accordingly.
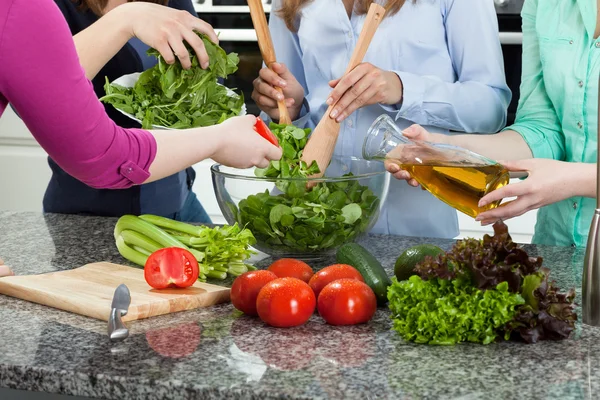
(215, 353)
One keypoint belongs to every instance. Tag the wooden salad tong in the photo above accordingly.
(321, 143)
(259, 20)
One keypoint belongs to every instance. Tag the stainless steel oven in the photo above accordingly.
(231, 19)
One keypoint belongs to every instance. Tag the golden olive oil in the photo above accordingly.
(459, 185)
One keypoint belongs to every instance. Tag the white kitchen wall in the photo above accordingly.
(24, 173)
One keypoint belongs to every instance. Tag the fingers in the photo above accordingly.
(346, 82)
(165, 51)
(273, 153)
(176, 43)
(515, 165)
(264, 94)
(201, 26)
(363, 98)
(283, 72)
(5, 271)
(198, 46)
(271, 78)
(415, 132)
(506, 211)
(512, 190)
(334, 83)
(400, 174)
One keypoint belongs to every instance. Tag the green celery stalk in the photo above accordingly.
(136, 239)
(170, 224)
(129, 253)
(142, 250)
(184, 239)
(131, 222)
(217, 275)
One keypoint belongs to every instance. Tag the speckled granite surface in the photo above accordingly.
(213, 353)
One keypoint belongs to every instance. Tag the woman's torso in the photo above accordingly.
(66, 194)
(570, 58)
(415, 41)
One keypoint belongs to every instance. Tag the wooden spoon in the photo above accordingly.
(321, 143)
(259, 20)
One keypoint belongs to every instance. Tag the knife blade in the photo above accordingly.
(119, 307)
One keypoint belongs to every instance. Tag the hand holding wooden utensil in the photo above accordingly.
(321, 143)
(259, 20)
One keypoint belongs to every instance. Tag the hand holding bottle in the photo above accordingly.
(413, 132)
(548, 181)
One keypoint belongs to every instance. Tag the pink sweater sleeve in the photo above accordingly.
(41, 77)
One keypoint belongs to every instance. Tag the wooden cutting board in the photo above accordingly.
(89, 290)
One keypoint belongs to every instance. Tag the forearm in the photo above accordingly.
(583, 179)
(506, 145)
(114, 32)
(178, 149)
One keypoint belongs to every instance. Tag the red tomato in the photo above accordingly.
(291, 268)
(175, 341)
(332, 273)
(264, 131)
(285, 302)
(171, 267)
(245, 288)
(347, 302)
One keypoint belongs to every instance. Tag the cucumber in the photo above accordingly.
(369, 267)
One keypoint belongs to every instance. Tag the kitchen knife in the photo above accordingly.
(120, 304)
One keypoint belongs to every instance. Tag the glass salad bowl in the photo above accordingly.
(289, 220)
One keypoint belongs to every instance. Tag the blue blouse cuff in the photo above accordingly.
(411, 104)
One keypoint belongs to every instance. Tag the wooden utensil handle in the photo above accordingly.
(372, 21)
(265, 44)
(259, 20)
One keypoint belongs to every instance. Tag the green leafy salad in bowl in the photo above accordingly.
(290, 220)
(168, 96)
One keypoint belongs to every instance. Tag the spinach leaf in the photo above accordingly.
(301, 220)
(170, 96)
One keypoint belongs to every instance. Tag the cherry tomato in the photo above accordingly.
(347, 302)
(285, 302)
(175, 341)
(332, 273)
(291, 268)
(264, 131)
(245, 288)
(171, 267)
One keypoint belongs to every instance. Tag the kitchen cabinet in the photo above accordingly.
(25, 174)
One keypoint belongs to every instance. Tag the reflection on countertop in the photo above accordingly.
(217, 353)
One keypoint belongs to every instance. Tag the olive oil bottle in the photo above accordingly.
(458, 177)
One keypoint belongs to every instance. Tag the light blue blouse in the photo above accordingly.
(448, 55)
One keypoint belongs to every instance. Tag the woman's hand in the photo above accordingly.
(266, 97)
(418, 133)
(364, 85)
(548, 181)
(165, 29)
(4, 270)
(240, 146)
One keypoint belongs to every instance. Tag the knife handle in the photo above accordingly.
(116, 328)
